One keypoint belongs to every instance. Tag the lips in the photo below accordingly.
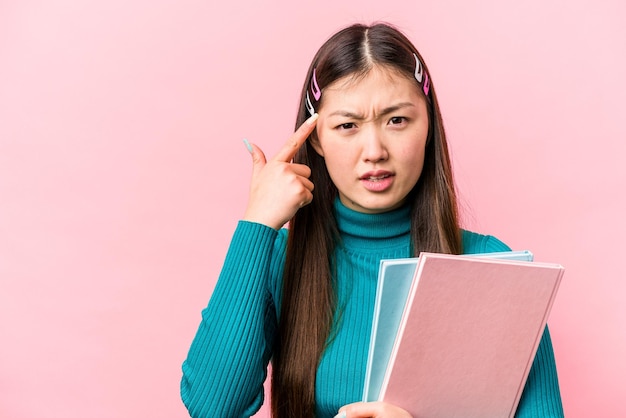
(376, 175)
(377, 181)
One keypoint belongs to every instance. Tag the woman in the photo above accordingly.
(366, 176)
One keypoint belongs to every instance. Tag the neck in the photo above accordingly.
(368, 232)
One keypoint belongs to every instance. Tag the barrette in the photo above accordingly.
(317, 94)
(420, 75)
(309, 105)
(315, 89)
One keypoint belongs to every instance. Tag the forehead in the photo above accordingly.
(378, 86)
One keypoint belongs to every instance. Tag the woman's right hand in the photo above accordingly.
(279, 187)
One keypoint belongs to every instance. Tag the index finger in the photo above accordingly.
(288, 151)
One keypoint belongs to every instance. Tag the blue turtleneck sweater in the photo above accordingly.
(226, 366)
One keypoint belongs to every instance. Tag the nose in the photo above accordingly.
(374, 149)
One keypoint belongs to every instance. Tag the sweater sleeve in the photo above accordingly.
(226, 365)
(541, 397)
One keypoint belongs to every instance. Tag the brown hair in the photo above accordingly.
(308, 298)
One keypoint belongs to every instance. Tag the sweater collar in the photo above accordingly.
(364, 229)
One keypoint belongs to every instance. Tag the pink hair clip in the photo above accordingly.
(315, 89)
(426, 86)
(317, 94)
(420, 75)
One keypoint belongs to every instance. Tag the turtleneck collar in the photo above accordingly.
(371, 232)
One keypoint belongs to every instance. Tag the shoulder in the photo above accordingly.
(474, 243)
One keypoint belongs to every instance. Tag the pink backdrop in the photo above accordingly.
(123, 173)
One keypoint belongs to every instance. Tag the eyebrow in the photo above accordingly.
(383, 112)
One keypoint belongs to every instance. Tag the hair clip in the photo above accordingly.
(315, 89)
(420, 75)
(309, 105)
(317, 93)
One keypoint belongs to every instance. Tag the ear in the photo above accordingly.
(315, 143)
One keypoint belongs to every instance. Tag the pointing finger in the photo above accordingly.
(288, 151)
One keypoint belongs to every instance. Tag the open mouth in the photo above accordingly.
(377, 178)
(377, 181)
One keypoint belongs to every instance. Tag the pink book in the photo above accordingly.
(468, 335)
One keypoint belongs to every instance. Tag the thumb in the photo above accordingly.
(258, 157)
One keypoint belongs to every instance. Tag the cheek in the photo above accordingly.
(412, 159)
(338, 172)
(334, 149)
(336, 161)
(413, 154)
(339, 159)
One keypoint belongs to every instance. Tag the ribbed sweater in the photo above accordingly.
(227, 363)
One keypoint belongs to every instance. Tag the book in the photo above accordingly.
(394, 281)
(466, 333)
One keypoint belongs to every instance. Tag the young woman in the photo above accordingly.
(366, 176)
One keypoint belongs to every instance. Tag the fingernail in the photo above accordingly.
(312, 119)
(247, 144)
(342, 414)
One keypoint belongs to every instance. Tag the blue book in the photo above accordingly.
(394, 281)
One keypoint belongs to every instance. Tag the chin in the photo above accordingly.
(377, 207)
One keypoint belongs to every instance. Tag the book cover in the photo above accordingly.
(394, 281)
(468, 335)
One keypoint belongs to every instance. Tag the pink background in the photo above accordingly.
(123, 174)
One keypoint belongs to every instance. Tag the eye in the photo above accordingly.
(345, 126)
(398, 120)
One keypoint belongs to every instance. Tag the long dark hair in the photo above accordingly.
(308, 299)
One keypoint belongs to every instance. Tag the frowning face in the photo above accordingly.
(372, 133)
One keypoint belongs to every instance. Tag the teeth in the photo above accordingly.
(377, 178)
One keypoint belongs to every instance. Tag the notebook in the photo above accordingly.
(467, 334)
(394, 280)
